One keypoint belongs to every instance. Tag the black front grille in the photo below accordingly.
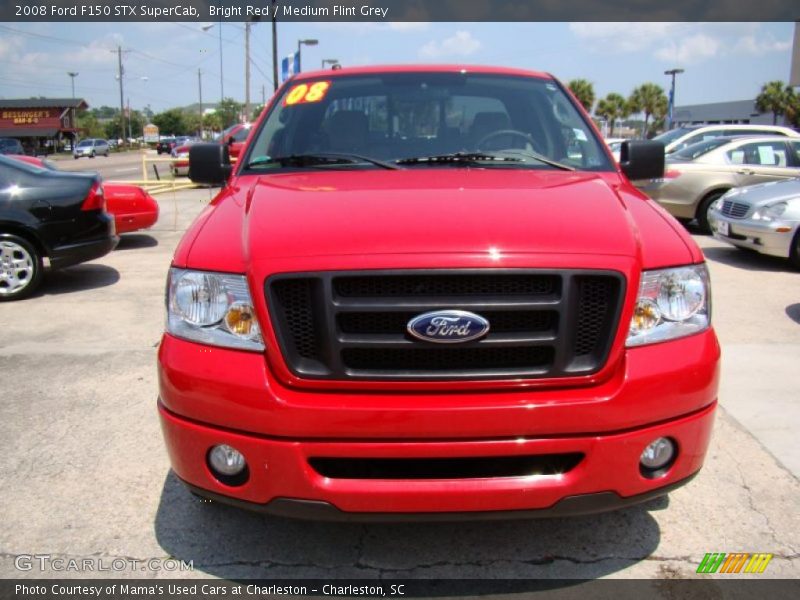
(735, 210)
(354, 325)
(477, 467)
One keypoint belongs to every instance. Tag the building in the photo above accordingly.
(41, 124)
(737, 111)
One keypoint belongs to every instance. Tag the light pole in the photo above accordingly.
(672, 72)
(221, 86)
(72, 75)
(329, 61)
(274, 47)
(301, 43)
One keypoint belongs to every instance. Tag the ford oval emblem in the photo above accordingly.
(448, 326)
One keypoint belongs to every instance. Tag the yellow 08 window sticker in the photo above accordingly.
(303, 93)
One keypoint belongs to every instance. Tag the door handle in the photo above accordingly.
(745, 172)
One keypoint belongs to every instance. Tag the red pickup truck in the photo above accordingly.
(430, 291)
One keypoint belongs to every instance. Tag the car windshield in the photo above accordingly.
(84, 143)
(673, 134)
(424, 119)
(700, 148)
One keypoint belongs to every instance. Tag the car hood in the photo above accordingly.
(766, 193)
(443, 211)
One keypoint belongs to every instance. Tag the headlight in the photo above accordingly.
(770, 212)
(212, 308)
(672, 303)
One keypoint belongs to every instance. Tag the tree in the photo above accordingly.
(774, 98)
(88, 125)
(583, 90)
(229, 111)
(649, 99)
(611, 108)
(133, 126)
(793, 107)
(170, 122)
(212, 122)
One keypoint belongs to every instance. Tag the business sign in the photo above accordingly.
(150, 133)
(290, 65)
(42, 117)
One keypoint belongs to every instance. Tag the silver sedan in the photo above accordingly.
(764, 217)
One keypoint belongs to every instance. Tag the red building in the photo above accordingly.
(41, 124)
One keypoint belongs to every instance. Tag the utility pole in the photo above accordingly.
(263, 95)
(200, 93)
(130, 121)
(274, 46)
(121, 94)
(247, 72)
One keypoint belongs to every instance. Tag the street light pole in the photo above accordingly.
(247, 72)
(72, 75)
(200, 93)
(303, 43)
(673, 73)
(221, 86)
(121, 95)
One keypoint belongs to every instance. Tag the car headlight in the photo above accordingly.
(672, 303)
(212, 308)
(769, 212)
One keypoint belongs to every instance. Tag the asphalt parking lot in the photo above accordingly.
(84, 472)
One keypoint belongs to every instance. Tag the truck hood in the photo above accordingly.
(433, 211)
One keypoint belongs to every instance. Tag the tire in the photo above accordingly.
(794, 252)
(75, 157)
(20, 268)
(92, 154)
(704, 207)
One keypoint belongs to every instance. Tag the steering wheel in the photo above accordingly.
(510, 132)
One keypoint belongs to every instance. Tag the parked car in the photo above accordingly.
(763, 217)
(699, 175)
(165, 145)
(11, 146)
(48, 217)
(132, 207)
(681, 137)
(91, 148)
(461, 305)
(235, 138)
(615, 145)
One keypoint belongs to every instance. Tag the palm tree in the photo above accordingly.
(611, 108)
(774, 98)
(649, 99)
(793, 107)
(583, 90)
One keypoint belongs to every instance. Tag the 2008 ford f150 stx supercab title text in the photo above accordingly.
(430, 291)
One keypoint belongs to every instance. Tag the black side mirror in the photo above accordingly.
(642, 159)
(209, 164)
(230, 141)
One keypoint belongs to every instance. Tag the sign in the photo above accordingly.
(150, 133)
(290, 65)
(41, 117)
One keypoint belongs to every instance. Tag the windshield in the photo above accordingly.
(673, 134)
(697, 150)
(85, 143)
(399, 116)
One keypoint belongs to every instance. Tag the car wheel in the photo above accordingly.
(20, 268)
(92, 154)
(704, 207)
(75, 157)
(794, 251)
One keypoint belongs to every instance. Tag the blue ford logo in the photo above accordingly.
(448, 326)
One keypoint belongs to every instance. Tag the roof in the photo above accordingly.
(20, 132)
(44, 103)
(373, 70)
(738, 109)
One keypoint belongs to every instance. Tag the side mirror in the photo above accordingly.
(209, 164)
(230, 141)
(642, 159)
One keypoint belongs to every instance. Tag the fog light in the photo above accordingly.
(657, 456)
(227, 464)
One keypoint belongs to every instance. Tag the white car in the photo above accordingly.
(681, 137)
(764, 218)
(615, 145)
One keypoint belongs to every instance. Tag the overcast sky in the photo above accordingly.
(723, 61)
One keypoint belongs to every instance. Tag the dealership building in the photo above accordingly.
(41, 124)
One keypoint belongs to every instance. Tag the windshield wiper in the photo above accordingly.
(542, 159)
(457, 157)
(319, 158)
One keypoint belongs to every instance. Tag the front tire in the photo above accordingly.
(794, 252)
(704, 207)
(92, 154)
(20, 268)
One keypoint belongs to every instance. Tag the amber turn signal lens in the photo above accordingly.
(240, 320)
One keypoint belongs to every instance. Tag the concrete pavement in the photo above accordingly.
(84, 472)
